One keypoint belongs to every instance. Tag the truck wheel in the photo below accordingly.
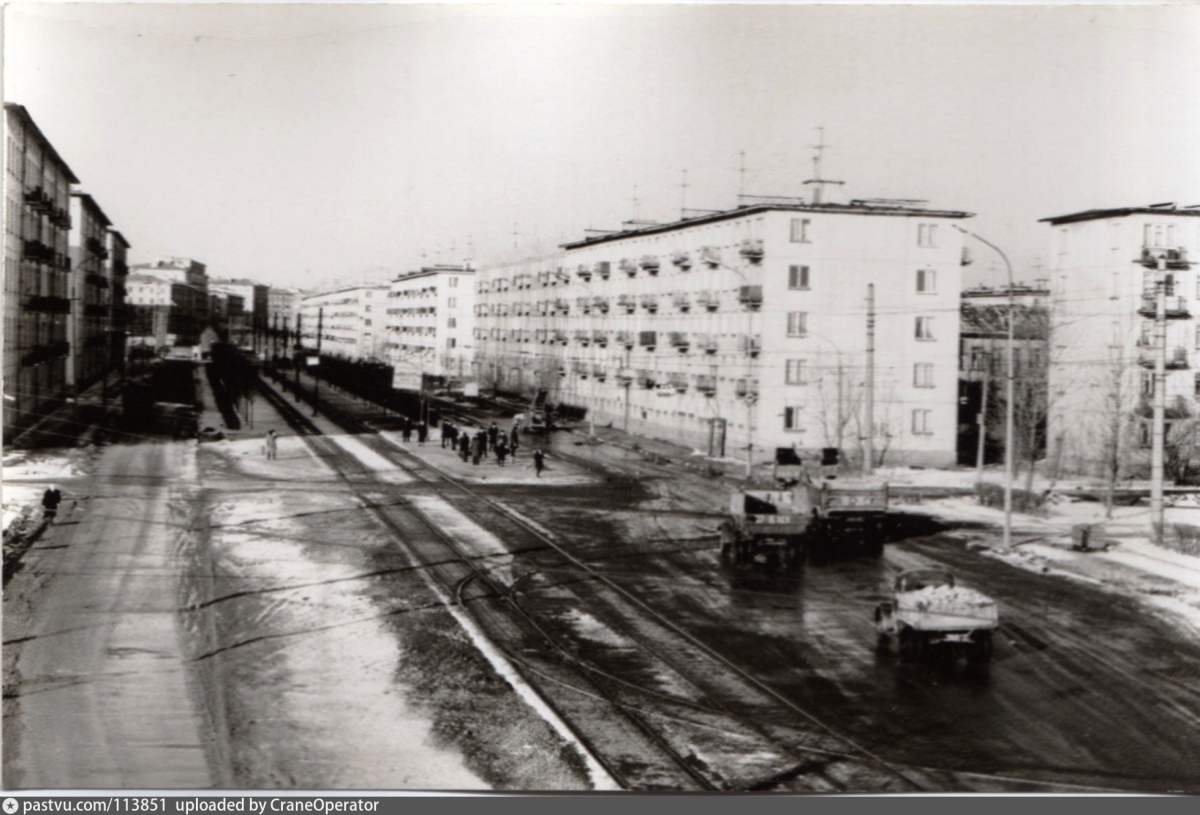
(980, 652)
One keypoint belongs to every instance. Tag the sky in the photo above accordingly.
(304, 145)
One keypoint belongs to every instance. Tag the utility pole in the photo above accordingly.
(868, 465)
(982, 422)
(316, 379)
(1160, 401)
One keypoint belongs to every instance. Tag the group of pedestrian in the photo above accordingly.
(422, 430)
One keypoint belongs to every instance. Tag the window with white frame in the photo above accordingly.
(794, 372)
(924, 328)
(797, 324)
(800, 230)
(921, 422)
(451, 322)
(798, 277)
(452, 302)
(926, 234)
(923, 375)
(926, 281)
(453, 283)
(791, 418)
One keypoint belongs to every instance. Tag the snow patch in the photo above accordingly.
(377, 464)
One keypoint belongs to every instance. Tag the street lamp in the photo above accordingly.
(751, 397)
(1008, 390)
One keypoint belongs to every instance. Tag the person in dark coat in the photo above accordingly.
(51, 498)
(453, 436)
(482, 434)
(445, 433)
(478, 447)
(422, 433)
(539, 461)
(515, 440)
(501, 450)
(406, 429)
(464, 446)
(493, 435)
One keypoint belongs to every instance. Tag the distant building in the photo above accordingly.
(148, 306)
(745, 327)
(90, 291)
(188, 314)
(251, 327)
(351, 322)
(430, 322)
(37, 267)
(118, 265)
(1102, 277)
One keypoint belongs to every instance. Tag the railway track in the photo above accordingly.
(822, 758)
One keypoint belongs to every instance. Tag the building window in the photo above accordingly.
(797, 277)
(926, 234)
(367, 322)
(451, 322)
(451, 342)
(800, 230)
(797, 325)
(452, 302)
(1147, 383)
(924, 329)
(920, 422)
(453, 283)
(926, 281)
(795, 372)
(923, 375)
(791, 418)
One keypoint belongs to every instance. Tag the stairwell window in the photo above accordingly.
(927, 235)
(926, 281)
(924, 328)
(923, 375)
(798, 277)
(797, 325)
(800, 230)
(795, 372)
(921, 425)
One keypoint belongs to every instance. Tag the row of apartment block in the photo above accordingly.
(65, 269)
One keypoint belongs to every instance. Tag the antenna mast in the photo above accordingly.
(816, 179)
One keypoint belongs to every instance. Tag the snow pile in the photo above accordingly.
(948, 599)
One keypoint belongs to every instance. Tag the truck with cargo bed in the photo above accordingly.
(928, 610)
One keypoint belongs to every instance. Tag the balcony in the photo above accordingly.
(603, 269)
(600, 338)
(650, 265)
(584, 272)
(752, 250)
(542, 335)
(45, 353)
(97, 280)
(711, 256)
(751, 297)
(646, 379)
(708, 300)
(679, 339)
(561, 306)
(50, 305)
(95, 310)
(678, 382)
(707, 343)
(583, 338)
(746, 389)
(36, 250)
(626, 339)
(624, 377)
(599, 373)
(560, 337)
(682, 303)
(683, 260)
(750, 345)
(629, 267)
(600, 304)
(627, 302)
(1175, 258)
(706, 384)
(650, 303)
(584, 305)
(1176, 308)
(1177, 359)
(648, 340)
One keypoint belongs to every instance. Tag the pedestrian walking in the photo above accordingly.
(478, 445)
(515, 442)
(501, 450)
(422, 433)
(272, 445)
(447, 427)
(483, 443)
(464, 446)
(493, 435)
(453, 436)
(539, 461)
(406, 429)
(51, 498)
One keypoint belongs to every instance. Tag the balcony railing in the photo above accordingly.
(706, 384)
(650, 303)
(1176, 307)
(50, 305)
(708, 300)
(650, 264)
(679, 339)
(648, 340)
(751, 297)
(683, 260)
(600, 338)
(682, 303)
(752, 250)
(1177, 359)
(1175, 258)
(603, 269)
(750, 345)
(629, 267)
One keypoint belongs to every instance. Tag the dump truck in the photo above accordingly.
(928, 610)
(804, 520)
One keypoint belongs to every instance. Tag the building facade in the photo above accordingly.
(118, 274)
(37, 305)
(430, 323)
(148, 305)
(90, 290)
(250, 329)
(351, 322)
(742, 329)
(188, 315)
(1104, 267)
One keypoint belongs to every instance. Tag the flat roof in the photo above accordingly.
(426, 271)
(27, 120)
(753, 209)
(1120, 212)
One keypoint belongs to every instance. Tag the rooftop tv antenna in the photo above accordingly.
(683, 193)
(816, 179)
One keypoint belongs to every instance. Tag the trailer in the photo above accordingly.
(928, 610)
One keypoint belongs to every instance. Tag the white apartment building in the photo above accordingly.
(430, 323)
(351, 321)
(1103, 268)
(746, 327)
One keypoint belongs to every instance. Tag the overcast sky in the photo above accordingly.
(298, 144)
